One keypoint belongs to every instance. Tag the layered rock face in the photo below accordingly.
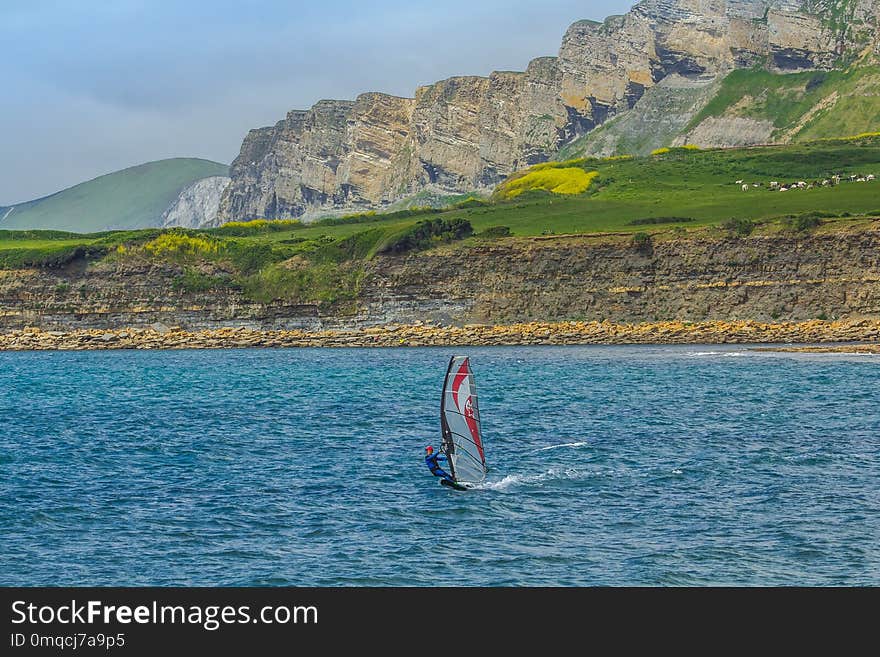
(658, 118)
(565, 278)
(779, 278)
(468, 133)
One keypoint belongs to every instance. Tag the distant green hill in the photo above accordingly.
(132, 198)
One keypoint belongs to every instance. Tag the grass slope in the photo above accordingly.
(802, 106)
(132, 198)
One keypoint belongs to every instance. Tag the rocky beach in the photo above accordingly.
(160, 336)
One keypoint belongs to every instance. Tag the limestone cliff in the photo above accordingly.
(658, 118)
(468, 133)
(196, 206)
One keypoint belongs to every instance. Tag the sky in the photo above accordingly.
(88, 87)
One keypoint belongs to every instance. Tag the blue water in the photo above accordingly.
(611, 466)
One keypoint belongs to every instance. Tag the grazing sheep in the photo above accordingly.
(825, 183)
(870, 177)
(739, 182)
(774, 185)
(756, 185)
(783, 189)
(745, 187)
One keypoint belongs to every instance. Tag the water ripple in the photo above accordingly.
(656, 466)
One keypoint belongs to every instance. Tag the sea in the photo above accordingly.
(609, 466)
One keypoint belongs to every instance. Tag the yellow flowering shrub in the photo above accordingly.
(572, 180)
(178, 244)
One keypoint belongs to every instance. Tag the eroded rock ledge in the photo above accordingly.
(533, 333)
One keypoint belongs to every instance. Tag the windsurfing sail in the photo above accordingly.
(460, 423)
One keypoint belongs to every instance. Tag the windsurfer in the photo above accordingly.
(431, 460)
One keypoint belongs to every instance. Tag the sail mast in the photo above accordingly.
(448, 445)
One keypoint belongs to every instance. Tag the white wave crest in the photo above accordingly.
(578, 444)
(553, 474)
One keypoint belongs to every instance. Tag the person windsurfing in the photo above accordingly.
(432, 461)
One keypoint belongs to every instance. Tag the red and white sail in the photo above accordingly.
(460, 422)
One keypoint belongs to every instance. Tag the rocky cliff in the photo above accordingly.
(469, 133)
(589, 278)
(197, 205)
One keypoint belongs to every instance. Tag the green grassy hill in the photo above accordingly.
(132, 198)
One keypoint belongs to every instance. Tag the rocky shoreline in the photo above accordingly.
(160, 336)
(828, 349)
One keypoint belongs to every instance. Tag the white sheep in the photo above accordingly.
(870, 176)
(745, 188)
(774, 185)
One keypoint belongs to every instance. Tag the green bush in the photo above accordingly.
(425, 234)
(195, 281)
(803, 222)
(324, 283)
(495, 231)
(248, 257)
(642, 241)
(739, 226)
